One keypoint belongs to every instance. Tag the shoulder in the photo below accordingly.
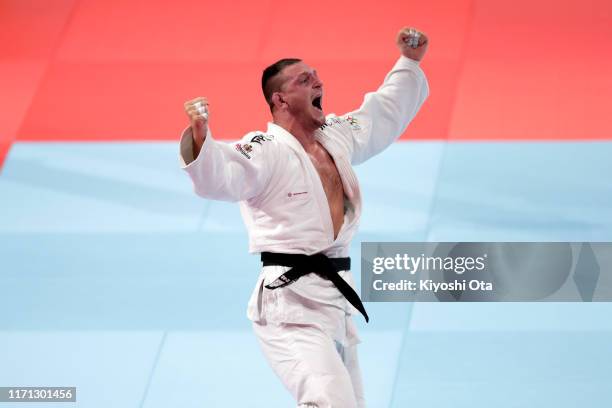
(346, 122)
(342, 130)
(256, 145)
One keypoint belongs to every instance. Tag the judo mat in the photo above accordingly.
(115, 278)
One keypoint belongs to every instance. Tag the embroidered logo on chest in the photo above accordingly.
(297, 193)
(350, 120)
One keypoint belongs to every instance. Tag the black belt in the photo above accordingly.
(320, 264)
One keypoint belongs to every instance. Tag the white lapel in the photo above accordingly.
(287, 138)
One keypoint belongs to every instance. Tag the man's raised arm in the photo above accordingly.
(385, 114)
(197, 110)
(224, 171)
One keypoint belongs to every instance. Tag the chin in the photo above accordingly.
(320, 119)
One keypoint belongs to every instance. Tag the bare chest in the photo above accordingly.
(328, 172)
(332, 185)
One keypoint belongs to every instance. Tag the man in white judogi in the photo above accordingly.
(301, 203)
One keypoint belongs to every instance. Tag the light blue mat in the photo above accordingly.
(115, 278)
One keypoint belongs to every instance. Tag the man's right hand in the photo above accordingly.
(197, 110)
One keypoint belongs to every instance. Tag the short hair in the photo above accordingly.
(268, 84)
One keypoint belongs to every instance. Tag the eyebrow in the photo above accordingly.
(314, 72)
(300, 76)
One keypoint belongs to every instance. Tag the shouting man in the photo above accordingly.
(301, 203)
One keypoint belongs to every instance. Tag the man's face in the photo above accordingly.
(302, 90)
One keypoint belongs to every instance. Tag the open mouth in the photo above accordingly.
(316, 102)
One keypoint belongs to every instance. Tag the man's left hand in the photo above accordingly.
(404, 43)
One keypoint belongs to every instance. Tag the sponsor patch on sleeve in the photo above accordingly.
(244, 149)
(259, 138)
(247, 149)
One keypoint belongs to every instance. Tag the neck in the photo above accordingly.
(303, 133)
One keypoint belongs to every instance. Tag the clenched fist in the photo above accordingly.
(412, 43)
(197, 110)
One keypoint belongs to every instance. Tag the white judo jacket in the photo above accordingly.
(282, 201)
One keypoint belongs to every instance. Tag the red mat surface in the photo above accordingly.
(120, 70)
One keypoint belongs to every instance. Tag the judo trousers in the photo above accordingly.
(317, 370)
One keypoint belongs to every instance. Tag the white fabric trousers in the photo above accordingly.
(317, 370)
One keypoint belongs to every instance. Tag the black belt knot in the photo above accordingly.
(320, 264)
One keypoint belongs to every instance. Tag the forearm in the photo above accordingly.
(220, 172)
(204, 164)
(196, 148)
(399, 98)
(385, 114)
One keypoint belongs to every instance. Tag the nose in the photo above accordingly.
(317, 82)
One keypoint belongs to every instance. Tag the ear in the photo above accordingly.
(278, 101)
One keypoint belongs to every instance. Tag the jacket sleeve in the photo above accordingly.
(229, 171)
(385, 114)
